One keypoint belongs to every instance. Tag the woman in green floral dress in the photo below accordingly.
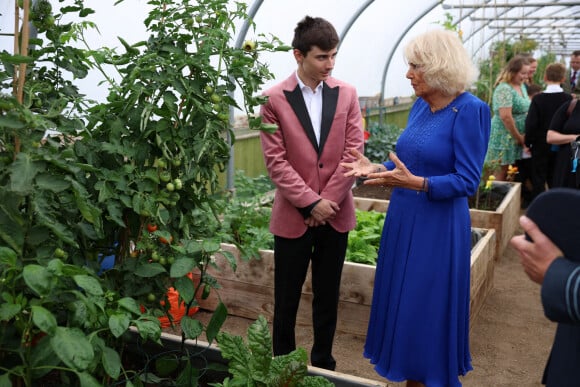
(510, 106)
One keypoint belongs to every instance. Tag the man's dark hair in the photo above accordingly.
(314, 31)
(576, 52)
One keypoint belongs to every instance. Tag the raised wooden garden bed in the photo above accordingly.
(504, 219)
(203, 355)
(249, 292)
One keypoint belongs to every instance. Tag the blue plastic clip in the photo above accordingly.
(574, 165)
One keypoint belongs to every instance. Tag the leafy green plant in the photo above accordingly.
(246, 216)
(251, 364)
(364, 240)
(246, 220)
(381, 142)
(251, 187)
(134, 178)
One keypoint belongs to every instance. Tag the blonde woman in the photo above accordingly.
(510, 105)
(419, 325)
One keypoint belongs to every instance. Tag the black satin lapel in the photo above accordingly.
(296, 100)
(329, 101)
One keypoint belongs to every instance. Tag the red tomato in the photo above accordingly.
(151, 227)
(163, 240)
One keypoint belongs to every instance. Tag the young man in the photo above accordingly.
(542, 108)
(319, 121)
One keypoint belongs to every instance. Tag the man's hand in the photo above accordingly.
(311, 222)
(324, 211)
(535, 256)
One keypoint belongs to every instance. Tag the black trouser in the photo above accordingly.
(525, 174)
(326, 248)
(540, 170)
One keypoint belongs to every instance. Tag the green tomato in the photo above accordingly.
(163, 261)
(224, 117)
(60, 253)
(155, 256)
(48, 22)
(208, 89)
(151, 297)
(178, 184)
(165, 176)
(176, 162)
(215, 98)
(170, 187)
(174, 196)
(161, 163)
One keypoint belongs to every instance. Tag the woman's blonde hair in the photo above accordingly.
(444, 60)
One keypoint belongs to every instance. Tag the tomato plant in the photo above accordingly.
(92, 190)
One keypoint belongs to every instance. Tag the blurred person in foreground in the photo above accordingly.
(319, 121)
(559, 275)
(419, 324)
(540, 113)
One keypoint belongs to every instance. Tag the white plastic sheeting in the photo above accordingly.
(370, 55)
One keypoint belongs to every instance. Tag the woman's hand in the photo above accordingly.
(360, 167)
(398, 177)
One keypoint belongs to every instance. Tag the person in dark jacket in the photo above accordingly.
(540, 113)
(564, 131)
(559, 276)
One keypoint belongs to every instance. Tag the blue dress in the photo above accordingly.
(419, 322)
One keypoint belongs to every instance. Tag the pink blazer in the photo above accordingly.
(302, 170)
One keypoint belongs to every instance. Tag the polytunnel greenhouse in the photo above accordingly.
(372, 32)
(135, 197)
